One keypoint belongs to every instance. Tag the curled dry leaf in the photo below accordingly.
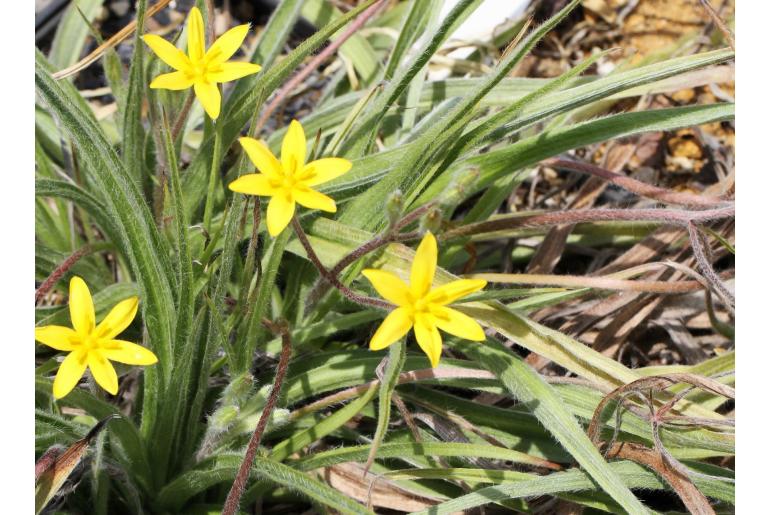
(695, 502)
(54, 466)
(656, 384)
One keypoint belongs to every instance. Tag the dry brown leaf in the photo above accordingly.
(349, 478)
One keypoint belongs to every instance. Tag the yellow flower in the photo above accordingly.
(423, 307)
(92, 345)
(200, 69)
(289, 180)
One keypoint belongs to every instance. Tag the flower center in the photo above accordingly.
(286, 182)
(421, 306)
(198, 70)
(90, 342)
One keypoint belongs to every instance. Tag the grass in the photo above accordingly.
(138, 209)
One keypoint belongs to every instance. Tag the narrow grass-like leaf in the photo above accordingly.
(69, 191)
(396, 358)
(306, 485)
(330, 423)
(356, 49)
(524, 153)
(414, 23)
(363, 134)
(514, 485)
(139, 239)
(261, 301)
(527, 386)
(133, 132)
(413, 168)
(410, 449)
(72, 32)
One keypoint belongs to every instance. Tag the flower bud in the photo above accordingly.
(222, 418)
(431, 221)
(238, 390)
(395, 207)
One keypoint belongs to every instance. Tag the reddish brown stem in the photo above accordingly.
(701, 255)
(182, 117)
(347, 292)
(236, 490)
(391, 236)
(314, 63)
(62, 269)
(637, 187)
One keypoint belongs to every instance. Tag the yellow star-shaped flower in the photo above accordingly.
(201, 69)
(423, 307)
(290, 180)
(92, 345)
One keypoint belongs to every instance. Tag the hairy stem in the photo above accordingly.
(182, 116)
(347, 292)
(704, 263)
(236, 490)
(64, 267)
(390, 236)
(213, 173)
(637, 187)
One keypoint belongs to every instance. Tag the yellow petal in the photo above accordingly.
(324, 170)
(458, 324)
(118, 318)
(293, 149)
(262, 158)
(208, 95)
(227, 44)
(167, 52)
(428, 338)
(424, 266)
(129, 353)
(450, 292)
(196, 39)
(312, 199)
(279, 213)
(57, 337)
(103, 371)
(81, 307)
(389, 286)
(254, 184)
(70, 372)
(395, 326)
(173, 80)
(232, 71)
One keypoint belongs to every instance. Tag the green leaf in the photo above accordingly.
(72, 32)
(133, 132)
(330, 423)
(507, 161)
(69, 191)
(411, 449)
(222, 469)
(528, 387)
(363, 135)
(414, 167)
(396, 358)
(306, 485)
(514, 485)
(356, 49)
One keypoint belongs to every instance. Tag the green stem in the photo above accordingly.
(258, 309)
(215, 163)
